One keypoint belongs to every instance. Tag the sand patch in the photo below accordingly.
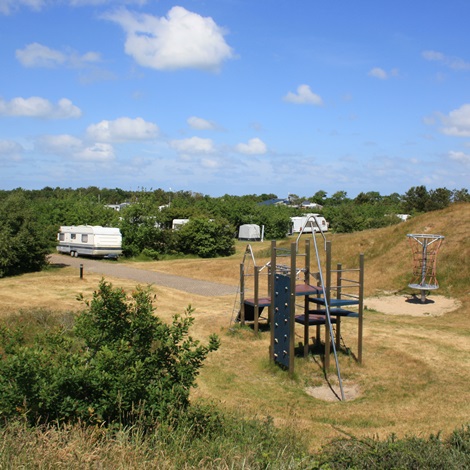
(332, 392)
(435, 305)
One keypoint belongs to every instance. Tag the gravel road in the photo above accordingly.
(185, 284)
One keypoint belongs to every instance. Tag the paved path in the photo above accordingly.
(185, 284)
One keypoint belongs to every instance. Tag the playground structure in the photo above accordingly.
(287, 282)
(425, 249)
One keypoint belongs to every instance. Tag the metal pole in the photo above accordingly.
(328, 318)
(423, 269)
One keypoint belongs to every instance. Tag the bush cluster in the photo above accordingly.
(120, 363)
(23, 245)
(393, 453)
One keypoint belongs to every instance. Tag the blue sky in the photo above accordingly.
(235, 96)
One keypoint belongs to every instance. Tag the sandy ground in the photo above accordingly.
(332, 392)
(396, 304)
(435, 305)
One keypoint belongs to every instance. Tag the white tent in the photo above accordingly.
(249, 232)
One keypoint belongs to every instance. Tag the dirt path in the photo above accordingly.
(110, 268)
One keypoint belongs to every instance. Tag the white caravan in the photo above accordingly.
(306, 222)
(178, 223)
(90, 240)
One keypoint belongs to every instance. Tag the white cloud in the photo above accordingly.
(433, 55)
(460, 157)
(180, 40)
(62, 144)
(123, 129)
(79, 3)
(455, 63)
(304, 96)
(457, 123)
(210, 163)
(97, 152)
(37, 107)
(10, 148)
(194, 145)
(377, 72)
(253, 147)
(200, 124)
(38, 55)
(66, 145)
(429, 120)
(10, 6)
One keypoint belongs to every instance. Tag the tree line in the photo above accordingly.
(30, 219)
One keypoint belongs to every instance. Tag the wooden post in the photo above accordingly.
(272, 275)
(361, 307)
(242, 294)
(256, 299)
(292, 308)
(339, 267)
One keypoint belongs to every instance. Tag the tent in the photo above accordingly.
(249, 232)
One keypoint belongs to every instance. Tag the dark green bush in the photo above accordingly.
(207, 238)
(123, 364)
(23, 245)
(392, 453)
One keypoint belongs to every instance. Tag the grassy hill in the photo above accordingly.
(414, 378)
(408, 361)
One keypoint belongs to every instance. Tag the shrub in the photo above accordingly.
(392, 453)
(23, 246)
(122, 364)
(207, 238)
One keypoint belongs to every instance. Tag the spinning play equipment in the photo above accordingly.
(425, 248)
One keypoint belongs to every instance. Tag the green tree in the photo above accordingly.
(140, 230)
(122, 364)
(415, 199)
(371, 197)
(352, 217)
(460, 195)
(276, 221)
(207, 238)
(23, 244)
(339, 197)
(439, 198)
(319, 197)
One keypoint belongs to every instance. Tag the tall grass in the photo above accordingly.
(202, 439)
(229, 443)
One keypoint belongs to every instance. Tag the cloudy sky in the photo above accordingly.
(235, 96)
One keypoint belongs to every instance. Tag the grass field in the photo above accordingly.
(415, 373)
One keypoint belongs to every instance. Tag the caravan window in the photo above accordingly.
(61, 237)
(73, 236)
(84, 238)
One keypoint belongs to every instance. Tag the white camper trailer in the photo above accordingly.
(306, 222)
(178, 223)
(90, 240)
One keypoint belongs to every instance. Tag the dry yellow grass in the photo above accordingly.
(414, 379)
